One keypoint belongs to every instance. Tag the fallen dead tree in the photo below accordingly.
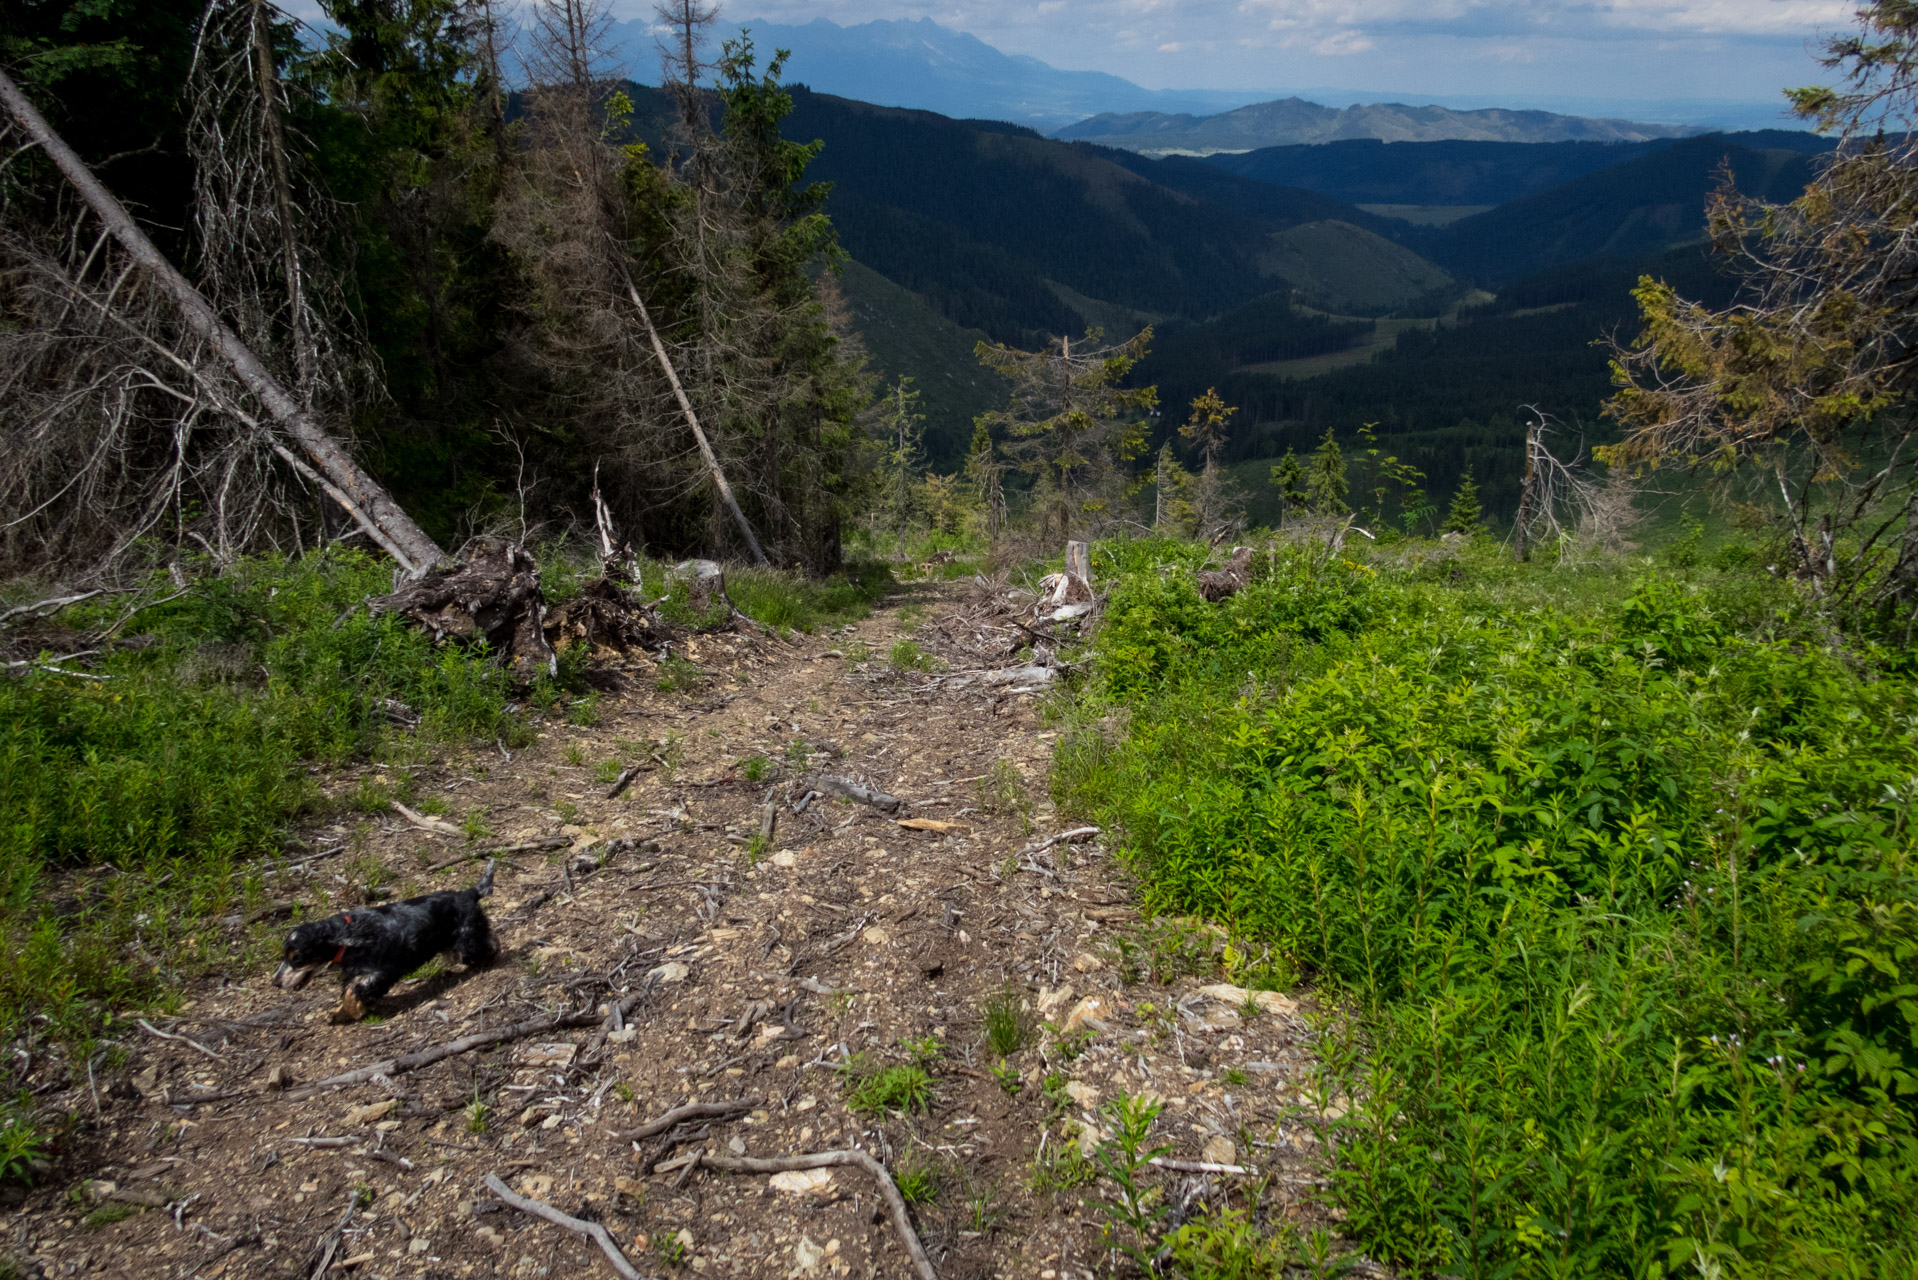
(296, 436)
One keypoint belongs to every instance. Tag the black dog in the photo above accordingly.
(377, 946)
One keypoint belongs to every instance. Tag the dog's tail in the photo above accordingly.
(485, 885)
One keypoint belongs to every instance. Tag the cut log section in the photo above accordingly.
(493, 596)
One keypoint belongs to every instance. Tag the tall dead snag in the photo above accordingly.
(320, 455)
(692, 420)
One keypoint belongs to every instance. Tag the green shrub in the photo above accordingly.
(146, 788)
(1617, 887)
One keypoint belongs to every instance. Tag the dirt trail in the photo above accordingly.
(850, 936)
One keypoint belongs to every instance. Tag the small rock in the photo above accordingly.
(1083, 1094)
(785, 858)
(372, 1111)
(279, 1077)
(1051, 998)
(1218, 1018)
(1087, 1015)
(876, 936)
(790, 1060)
(148, 1080)
(1086, 962)
(625, 1035)
(420, 1244)
(632, 1188)
(532, 1116)
(671, 971)
(1268, 1001)
(737, 1146)
(387, 1126)
(1220, 1150)
(557, 1054)
(491, 1237)
(801, 1181)
(806, 1257)
(99, 1189)
(550, 1122)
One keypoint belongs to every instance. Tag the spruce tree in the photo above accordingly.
(1326, 485)
(1288, 477)
(1070, 422)
(1465, 512)
(987, 476)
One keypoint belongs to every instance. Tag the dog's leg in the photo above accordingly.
(352, 1003)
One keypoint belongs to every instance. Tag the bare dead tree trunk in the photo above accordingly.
(362, 496)
(692, 420)
(304, 360)
(1522, 526)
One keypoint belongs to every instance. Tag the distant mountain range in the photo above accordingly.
(932, 68)
(1455, 173)
(1294, 121)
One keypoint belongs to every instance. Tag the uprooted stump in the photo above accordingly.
(605, 616)
(493, 595)
(1221, 584)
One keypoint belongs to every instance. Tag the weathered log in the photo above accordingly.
(1221, 584)
(493, 596)
(364, 498)
(699, 434)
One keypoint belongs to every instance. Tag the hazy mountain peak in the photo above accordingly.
(917, 63)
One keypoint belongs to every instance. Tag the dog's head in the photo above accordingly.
(309, 949)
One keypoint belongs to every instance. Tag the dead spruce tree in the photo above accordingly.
(669, 303)
(783, 394)
(1807, 383)
(127, 400)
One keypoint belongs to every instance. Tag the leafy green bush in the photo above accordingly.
(1620, 893)
(149, 786)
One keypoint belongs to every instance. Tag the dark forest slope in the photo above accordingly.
(1643, 206)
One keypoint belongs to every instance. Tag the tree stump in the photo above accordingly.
(493, 595)
(1074, 586)
(705, 587)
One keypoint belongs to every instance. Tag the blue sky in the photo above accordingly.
(1500, 50)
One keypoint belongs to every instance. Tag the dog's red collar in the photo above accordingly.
(341, 953)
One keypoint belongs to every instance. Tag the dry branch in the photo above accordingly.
(591, 1230)
(692, 420)
(452, 1048)
(691, 1111)
(864, 795)
(901, 1221)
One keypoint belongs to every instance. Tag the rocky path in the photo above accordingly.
(836, 982)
